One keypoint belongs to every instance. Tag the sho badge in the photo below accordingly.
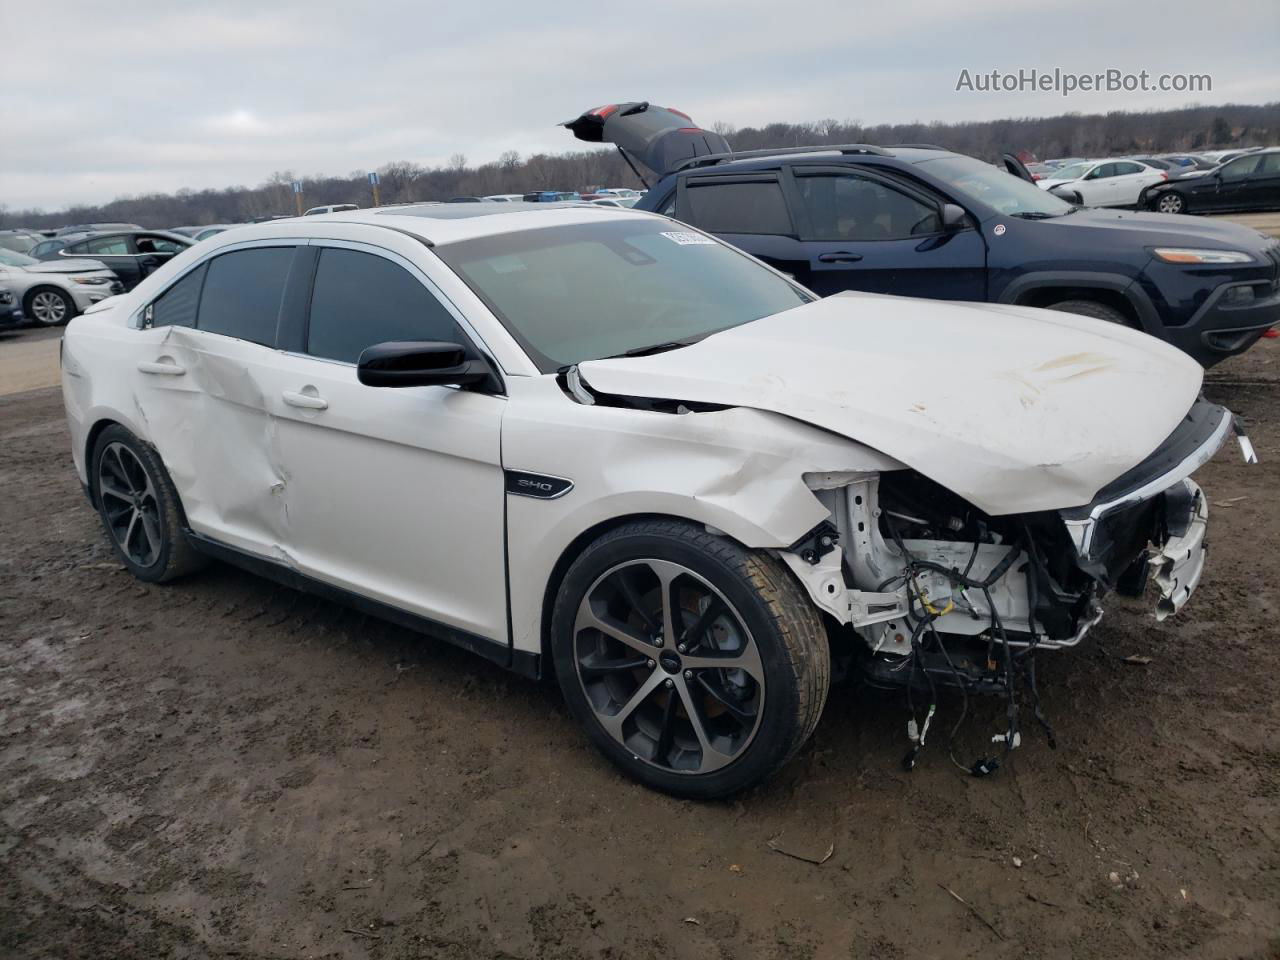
(537, 485)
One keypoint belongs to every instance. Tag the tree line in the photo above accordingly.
(1086, 135)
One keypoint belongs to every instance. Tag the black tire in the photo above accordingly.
(1171, 203)
(755, 590)
(34, 300)
(159, 512)
(1092, 308)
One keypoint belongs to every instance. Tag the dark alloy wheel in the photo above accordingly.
(698, 666)
(140, 508)
(668, 666)
(129, 504)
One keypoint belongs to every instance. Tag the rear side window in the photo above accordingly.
(110, 246)
(755, 206)
(360, 299)
(242, 293)
(176, 307)
(848, 207)
(1270, 164)
(1124, 169)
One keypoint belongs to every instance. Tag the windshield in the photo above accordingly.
(11, 258)
(999, 190)
(587, 291)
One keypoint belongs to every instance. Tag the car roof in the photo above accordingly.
(760, 160)
(442, 223)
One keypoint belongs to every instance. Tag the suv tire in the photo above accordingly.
(666, 713)
(1092, 308)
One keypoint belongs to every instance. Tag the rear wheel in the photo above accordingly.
(697, 666)
(140, 508)
(1092, 308)
(49, 306)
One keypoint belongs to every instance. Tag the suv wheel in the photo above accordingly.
(1092, 308)
(697, 666)
(140, 508)
(1171, 203)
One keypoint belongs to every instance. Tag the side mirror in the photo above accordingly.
(422, 363)
(1067, 194)
(954, 217)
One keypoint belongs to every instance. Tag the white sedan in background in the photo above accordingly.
(1105, 183)
(51, 292)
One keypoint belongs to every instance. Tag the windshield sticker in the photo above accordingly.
(685, 238)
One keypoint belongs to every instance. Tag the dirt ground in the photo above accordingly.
(224, 768)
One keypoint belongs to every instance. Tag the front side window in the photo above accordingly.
(977, 181)
(755, 206)
(1072, 171)
(849, 207)
(1270, 165)
(242, 293)
(159, 245)
(360, 299)
(176, 307)
(1102, 171)
(586, 291)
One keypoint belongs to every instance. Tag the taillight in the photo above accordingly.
(1163, 175)
(603, 112)
(680, 113)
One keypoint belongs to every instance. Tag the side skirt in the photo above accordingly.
(519, 661)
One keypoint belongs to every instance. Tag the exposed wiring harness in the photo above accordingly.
(922, 613)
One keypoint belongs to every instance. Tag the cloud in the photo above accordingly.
(144, 97)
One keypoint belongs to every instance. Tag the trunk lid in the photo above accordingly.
(1014, 409)
(658, 137)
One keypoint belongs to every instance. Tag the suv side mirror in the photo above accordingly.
(954, 217)
(422, 363)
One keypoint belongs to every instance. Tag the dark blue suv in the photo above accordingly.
(921, 221)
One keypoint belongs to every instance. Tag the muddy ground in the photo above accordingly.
(224, 768)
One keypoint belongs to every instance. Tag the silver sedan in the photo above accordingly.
(52, 292)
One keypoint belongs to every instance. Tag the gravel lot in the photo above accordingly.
(222, 768)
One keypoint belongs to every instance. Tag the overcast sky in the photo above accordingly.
(104, 99)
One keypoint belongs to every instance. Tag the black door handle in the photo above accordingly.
(840, 256)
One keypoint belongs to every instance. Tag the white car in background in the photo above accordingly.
(1104, 183)
(330, 208)
(51, 292)
(600, 444)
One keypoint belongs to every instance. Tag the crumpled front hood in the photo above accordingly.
(1013, 408)
(67, 266)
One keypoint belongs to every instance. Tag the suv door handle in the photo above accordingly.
(840, 256)
(169, 369)
(308, 401)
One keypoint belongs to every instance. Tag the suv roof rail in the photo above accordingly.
(917, 146)
(713, 158)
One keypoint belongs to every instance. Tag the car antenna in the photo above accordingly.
(633, 168)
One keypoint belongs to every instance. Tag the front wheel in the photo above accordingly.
(49, 306)
(697, 666)
(1171, 203)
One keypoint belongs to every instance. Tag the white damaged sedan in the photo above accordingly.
(595, 443)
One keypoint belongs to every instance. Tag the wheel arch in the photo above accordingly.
(1115, 290)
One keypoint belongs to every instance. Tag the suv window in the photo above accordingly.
(242, 293)
(176, 307)
(1239, 169)
(850, 207)
(754, 206)
(360, 299)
